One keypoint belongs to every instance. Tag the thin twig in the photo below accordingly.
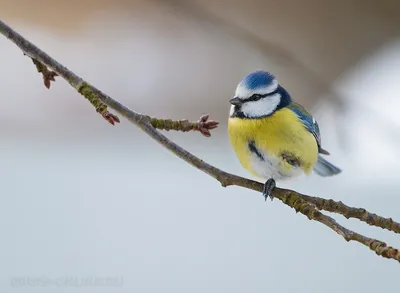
(309, 210)
(351, 212)
(289, 197)
(203, 125)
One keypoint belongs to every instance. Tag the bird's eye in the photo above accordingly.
(256, 97)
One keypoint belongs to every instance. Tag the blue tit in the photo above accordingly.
(273, 137)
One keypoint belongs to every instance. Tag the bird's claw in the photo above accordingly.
(268, 187)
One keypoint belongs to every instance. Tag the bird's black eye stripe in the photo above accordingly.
(257, 97)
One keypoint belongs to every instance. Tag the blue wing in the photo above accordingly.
(322, 167)
(309, 123)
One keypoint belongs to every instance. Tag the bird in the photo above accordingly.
(273, 137)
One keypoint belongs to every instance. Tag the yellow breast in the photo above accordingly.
(274, 136)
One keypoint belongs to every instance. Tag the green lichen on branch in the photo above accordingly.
(87, 91)
(203, 125)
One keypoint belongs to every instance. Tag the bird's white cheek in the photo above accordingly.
(261, 107)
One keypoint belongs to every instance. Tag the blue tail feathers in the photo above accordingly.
(324, 168)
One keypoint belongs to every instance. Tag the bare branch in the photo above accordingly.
(297, 202)
(351, 212)
(306, 205)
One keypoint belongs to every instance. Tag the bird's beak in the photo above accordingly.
(236, 101)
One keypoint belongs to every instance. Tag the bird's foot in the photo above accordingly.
(268, 187)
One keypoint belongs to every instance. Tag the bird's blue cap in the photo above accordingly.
(257, 79)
